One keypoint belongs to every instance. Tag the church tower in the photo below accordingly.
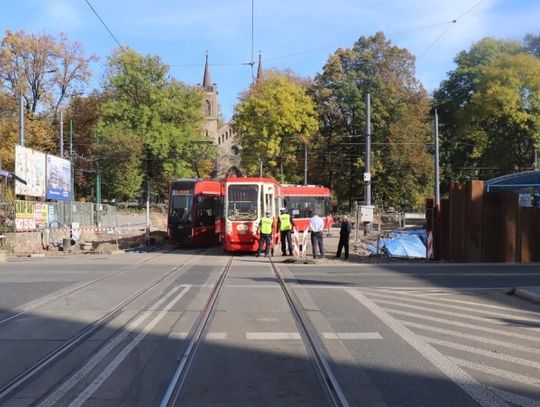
(210, 107)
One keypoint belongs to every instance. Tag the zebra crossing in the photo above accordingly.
(491, 349)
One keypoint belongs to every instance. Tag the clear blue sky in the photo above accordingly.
(298, 34)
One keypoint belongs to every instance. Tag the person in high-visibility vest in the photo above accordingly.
(265, 228)
(285, 225)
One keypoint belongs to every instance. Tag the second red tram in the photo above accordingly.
(194, 207)
(300, 200)
(245, 202)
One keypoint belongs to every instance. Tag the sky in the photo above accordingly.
(295, 34)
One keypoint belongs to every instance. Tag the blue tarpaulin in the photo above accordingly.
(402, 243)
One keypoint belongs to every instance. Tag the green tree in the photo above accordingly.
(502, 120)
(275, 118)
(401, 165)
(452, 100)
(157, 113)
(532, 43)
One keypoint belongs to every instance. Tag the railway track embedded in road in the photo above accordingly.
(313, 344)
(38, 367)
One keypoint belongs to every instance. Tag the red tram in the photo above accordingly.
(194, 208)
(245, 202)
(300, 200)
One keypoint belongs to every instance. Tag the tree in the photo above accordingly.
(44, 69)
(401, 165)
(502, 120)
(532, 43)
(274, 118)
(160, 115)
(452, 100)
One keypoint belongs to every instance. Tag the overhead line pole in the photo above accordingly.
(436, 161)
(21, 119)
(367, 172)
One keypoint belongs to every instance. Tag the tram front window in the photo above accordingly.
(242, 202)
(181, 208)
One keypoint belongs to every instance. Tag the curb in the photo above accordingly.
(527, 294)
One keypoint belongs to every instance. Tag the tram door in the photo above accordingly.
(269, 199)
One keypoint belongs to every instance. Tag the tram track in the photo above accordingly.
(38, 367)
(72, 290)
(313, 343)
(196, 337)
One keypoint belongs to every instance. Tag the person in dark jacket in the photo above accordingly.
(344, 233)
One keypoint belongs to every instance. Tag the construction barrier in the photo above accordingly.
(429, 245)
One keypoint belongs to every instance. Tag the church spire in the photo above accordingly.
(207, 80)
(259, 70)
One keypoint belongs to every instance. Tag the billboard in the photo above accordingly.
(58, 178)
(30, 166)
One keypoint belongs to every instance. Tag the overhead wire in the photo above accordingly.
(104, 25)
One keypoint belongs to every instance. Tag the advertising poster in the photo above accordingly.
(25, 216)
(30, 166)
(58, 178)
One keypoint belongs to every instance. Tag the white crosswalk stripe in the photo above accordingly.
(496, 344)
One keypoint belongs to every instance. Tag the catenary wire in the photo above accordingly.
(104, 25)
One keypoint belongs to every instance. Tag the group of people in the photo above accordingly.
(285, 226)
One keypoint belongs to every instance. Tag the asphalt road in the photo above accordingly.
(113, 330)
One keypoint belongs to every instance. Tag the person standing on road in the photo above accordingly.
(344, 233)
(285, 225)
(316, 226)
(265, 228)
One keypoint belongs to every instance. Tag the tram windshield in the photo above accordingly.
(181, 204)
(301, 206)
(242, 202)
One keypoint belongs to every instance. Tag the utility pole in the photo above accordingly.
(61, 133)
(72, 174)
(21, 119)
(436, 162)
(536, 167)
(305, 164)
(367, 171)
(98, 188)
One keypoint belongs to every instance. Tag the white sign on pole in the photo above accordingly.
(366, 213)
(30, 166)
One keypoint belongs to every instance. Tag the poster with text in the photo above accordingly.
(30, 166)
(58, 178)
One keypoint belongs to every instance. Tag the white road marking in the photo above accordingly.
(478, 304)
(471, 386)
(212, 336)
(352, 335)
(465, 325)
(471, 337)
(515, 398)
(450, 313)
(177, 335)
(499, 315)
(98, 357)
(535, 382)
(267, 319)
(272, 335)
(482, 352)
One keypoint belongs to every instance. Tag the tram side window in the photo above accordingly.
(301, 206)
(242, 202)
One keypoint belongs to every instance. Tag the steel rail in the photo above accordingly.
(196, 337)
(314, 345)
(72, 290)
(83, 334)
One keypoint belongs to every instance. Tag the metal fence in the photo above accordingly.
(85, 213)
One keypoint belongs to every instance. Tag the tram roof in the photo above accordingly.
(289, 189)
(250, 180)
